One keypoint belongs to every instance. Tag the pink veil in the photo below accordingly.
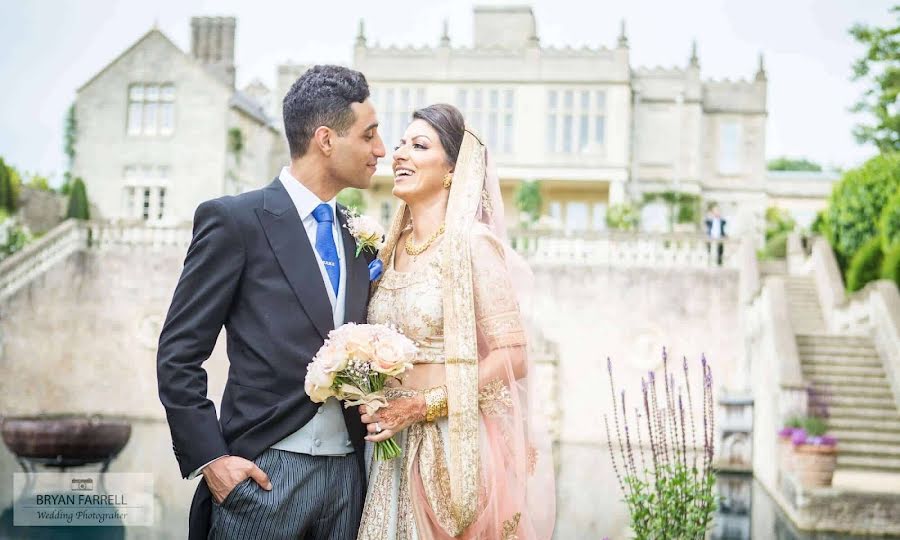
(500, 483)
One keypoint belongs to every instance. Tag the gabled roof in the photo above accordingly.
(134, 46)
(239, 100)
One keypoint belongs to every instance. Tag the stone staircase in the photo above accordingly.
(805, 311)
(847, 368)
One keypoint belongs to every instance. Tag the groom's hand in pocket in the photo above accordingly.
(223, 474)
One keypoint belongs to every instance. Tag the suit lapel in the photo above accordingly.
(356, 289)
(287, 238)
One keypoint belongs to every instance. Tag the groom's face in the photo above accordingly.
(356, 154)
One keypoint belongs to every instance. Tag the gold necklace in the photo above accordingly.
(414, 251)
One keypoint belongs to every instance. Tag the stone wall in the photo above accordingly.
(82, 339)
(41, 210)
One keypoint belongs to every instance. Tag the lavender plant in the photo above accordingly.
(670, 492)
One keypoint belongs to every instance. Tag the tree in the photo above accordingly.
(789, 164)
(39, 182)
(880, 68)
(78, 201)
(866, 265)
(889, 223)
(5, 187)
(778, 221)
(856, 203)
(528, 200)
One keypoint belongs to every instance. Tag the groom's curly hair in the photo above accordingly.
(321, 97)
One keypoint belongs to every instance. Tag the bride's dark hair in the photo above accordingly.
(449, 124)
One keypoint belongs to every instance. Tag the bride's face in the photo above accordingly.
(420, 164)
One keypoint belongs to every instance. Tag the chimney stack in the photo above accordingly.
(212, 43)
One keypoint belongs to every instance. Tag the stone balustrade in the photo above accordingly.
(21, 268)
(620, 249)
(106, 235)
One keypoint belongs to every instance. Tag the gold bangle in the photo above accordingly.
(435, 403)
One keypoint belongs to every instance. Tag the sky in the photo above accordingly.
(51, 47)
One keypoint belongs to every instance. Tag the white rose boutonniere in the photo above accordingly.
(369, 234)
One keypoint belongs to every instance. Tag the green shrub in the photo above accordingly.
(890, 267)
(856, 203)
(78, 201)
(778, 221)
(622, 217)
(687, 212)
(528, 200)
(814, 426)
(818, 225)
(865, 265)
(776, 246)
(889, 223)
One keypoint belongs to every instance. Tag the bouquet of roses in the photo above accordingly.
(353, 366)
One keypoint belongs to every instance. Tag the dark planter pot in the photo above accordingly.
(65, 440)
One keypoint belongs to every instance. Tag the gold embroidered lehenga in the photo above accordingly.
(485, 470)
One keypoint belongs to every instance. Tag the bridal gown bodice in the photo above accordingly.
(412, 301)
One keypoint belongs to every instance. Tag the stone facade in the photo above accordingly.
(154, 129)
(594, 129)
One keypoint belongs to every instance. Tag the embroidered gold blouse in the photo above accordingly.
(413, 300)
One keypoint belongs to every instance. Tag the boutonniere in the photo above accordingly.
(369, 234)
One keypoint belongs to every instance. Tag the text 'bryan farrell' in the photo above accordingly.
(81, 499)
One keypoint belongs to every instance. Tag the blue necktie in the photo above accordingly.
(325, 244)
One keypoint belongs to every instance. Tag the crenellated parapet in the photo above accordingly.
(740, 96)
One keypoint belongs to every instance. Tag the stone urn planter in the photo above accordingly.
(65, 441)
(815, 459)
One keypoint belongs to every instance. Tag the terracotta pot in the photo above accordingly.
(814, 464)
(66, 438)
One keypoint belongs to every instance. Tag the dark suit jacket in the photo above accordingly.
(250, 268)
(709, 224)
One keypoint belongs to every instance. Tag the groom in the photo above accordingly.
(277, 268)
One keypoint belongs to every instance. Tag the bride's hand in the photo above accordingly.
(393, 418)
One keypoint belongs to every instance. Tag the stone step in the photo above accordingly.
(834, 350)
(864, 424)
(800, 281)
(859, 448)
(880, 402)
(816, 368)
(803, 313)
(838, 381)
(842, 359)
(867, 436)
(834, 338)
(838, 412)
(806, 325)
(879, 390)
(868, 462)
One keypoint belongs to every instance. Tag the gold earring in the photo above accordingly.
(448, 179)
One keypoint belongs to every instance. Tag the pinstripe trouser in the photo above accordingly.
(312, 498)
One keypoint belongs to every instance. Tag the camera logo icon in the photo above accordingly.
(82, 484)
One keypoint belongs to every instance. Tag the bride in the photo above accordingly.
(476, 463)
